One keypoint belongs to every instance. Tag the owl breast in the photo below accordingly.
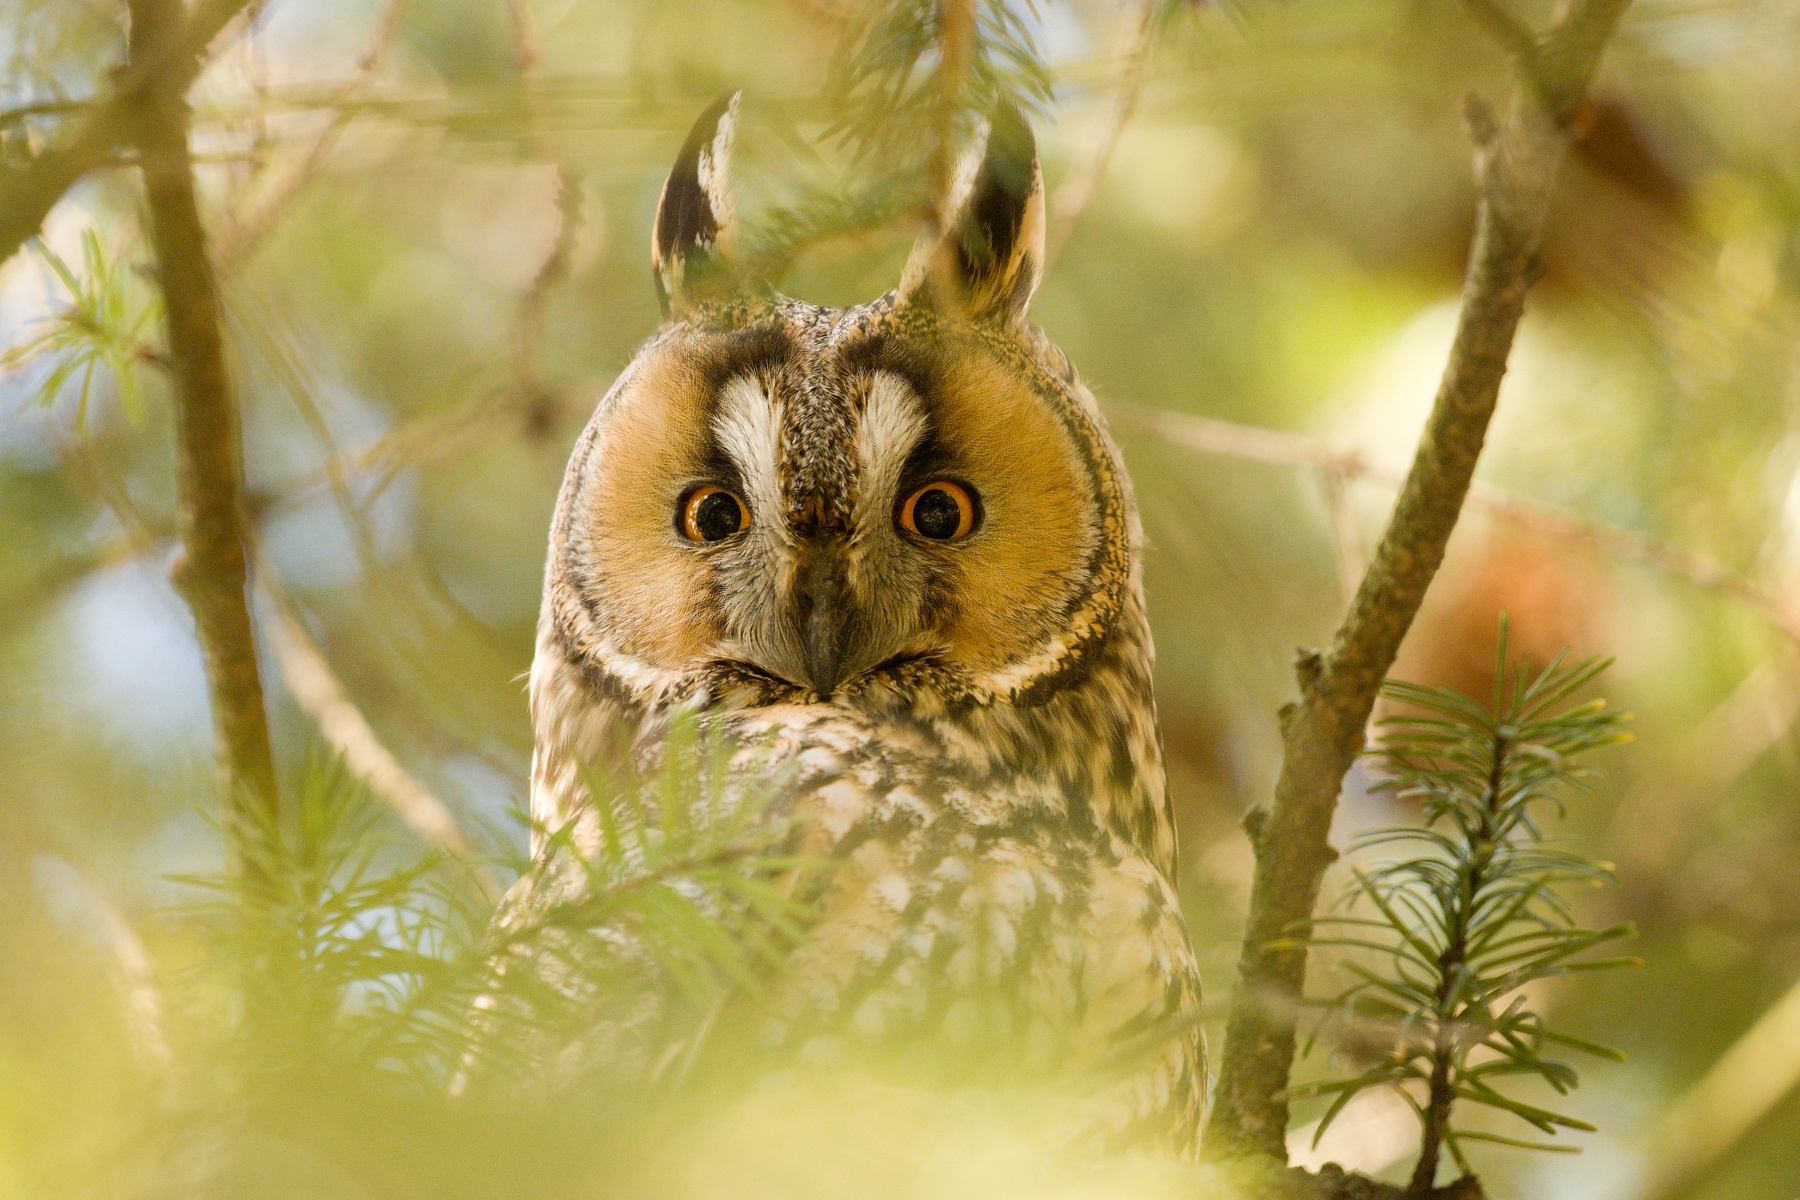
(891, 550)
(985, 917)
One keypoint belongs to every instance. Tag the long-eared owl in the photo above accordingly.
(894, 544)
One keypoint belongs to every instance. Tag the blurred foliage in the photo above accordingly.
(97, 329)
(1277, 241)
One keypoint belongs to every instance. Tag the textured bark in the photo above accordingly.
(164, 58)
(213, 574)
(1515, 165)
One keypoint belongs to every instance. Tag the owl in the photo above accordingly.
(892, 546)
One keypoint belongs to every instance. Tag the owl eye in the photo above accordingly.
(941, 511)
(710, 514)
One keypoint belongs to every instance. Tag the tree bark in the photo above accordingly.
(166, 57)
(1322, 733)
(213, 573)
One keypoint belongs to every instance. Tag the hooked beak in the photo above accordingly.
(826, 619)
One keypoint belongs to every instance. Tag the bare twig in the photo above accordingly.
(528, 328)
(214, 572)
(317, 689)
(1072, 198)
(1759, 1070)
(1212, 436)
(244, 232)
(164, 60)
(1515, 166)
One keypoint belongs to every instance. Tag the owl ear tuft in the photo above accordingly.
(690, 246)
(987, 264)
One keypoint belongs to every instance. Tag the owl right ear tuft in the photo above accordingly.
(987, 264)
(691, 243)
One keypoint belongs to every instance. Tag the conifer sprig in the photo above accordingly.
(350, 947)
(100, 327)
(1475, 911)
(887, 69)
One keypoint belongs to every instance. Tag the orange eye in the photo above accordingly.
(710, 514)
(941, 511)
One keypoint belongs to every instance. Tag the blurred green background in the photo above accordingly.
(1276, 240)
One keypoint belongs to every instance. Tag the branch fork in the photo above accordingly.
(1515, 164)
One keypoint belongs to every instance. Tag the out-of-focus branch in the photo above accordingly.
(956, 33)
(317, 689)
(1346, 540)
(164, 60)
(1229, 440)
(1514, 35)
(1516, 162)
(1073, 197)
(957, 30)
(244, 232)
(528, 327)
(213, 574)
(1760, 1069)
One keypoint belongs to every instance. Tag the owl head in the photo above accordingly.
(790, 501)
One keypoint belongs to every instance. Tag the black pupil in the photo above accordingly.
(936, 515)
(717, 516)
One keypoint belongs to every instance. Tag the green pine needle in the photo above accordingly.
(1471, 912)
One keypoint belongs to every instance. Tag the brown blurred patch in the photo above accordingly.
(1554, 596)
(1622, 223)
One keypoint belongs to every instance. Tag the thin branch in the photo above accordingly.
(213, 574)
(1514, 36)
(319, 692)
(165, 59)
(1346, 539)
(1229, 440)
(957, 31)
(1515, 166)
(528, 328)
(244, 232)
(1759, 1070)
(1072, 198)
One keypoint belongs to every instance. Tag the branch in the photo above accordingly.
(213, 573)
(317, 688)
(1759, 1071)
(554, 269)
(243, 232)
(163, 59)
(1072, 197)
(1229, 440)
(1515, 166)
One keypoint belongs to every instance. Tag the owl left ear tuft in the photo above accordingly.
(691, 243)
(987, 264)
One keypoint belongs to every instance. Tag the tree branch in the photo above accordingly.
(165, 58)
(1515, 166)
(316, 687)
(244, 231)
(1277, 447)
(213, 573)
(1072, 198)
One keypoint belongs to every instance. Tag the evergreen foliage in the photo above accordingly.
(342, 947)
(101, 326)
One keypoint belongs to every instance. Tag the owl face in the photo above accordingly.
(834, 497)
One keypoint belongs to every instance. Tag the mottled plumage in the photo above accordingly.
(968, 717)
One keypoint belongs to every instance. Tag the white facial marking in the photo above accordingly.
(892, 424)
(748, 426)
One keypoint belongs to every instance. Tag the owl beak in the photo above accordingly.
(825, 621)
